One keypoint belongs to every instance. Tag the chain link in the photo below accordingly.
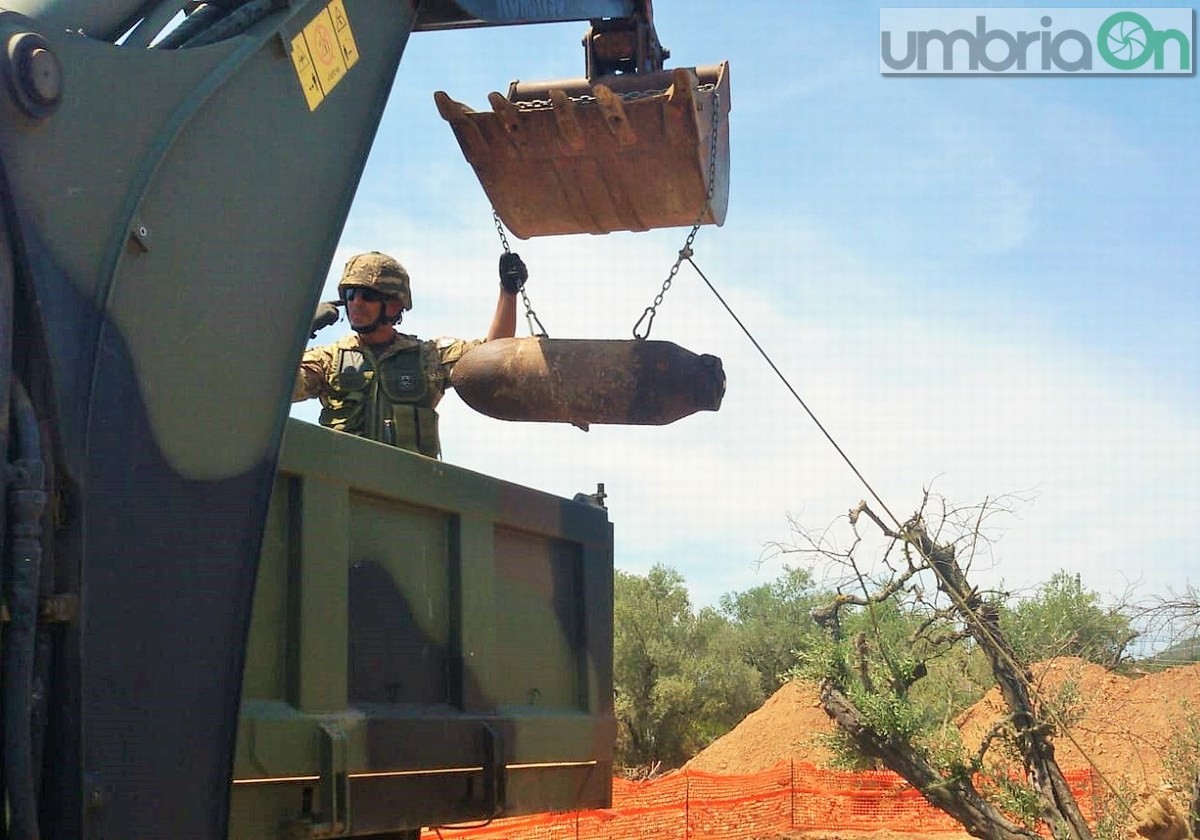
(500, 231)
(587, 98)
(531, 317)
(685, 253)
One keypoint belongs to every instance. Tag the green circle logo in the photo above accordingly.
(1126, 40)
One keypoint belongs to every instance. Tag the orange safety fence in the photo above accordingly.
(791, 796)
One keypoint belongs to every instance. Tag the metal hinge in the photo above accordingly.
(333, 820)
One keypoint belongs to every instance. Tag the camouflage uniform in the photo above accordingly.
(361, 391)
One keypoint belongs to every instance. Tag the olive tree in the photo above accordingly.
(677, 672)
(871, 664)
(773, 624)
(1063, 618)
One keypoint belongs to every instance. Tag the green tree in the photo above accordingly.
(893, 617)
(773, 625)
(1065, 619)
(1183, 652)
(930, 661)
(678, 677)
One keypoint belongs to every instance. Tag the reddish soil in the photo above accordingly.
(1124, 725)
(789, 725)
(1123, 728)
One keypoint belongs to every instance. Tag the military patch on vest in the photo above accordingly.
(403, 376)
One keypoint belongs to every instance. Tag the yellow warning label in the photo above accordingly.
(341, 27)
(323, 52)
(306, 73)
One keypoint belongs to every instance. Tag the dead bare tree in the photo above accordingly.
(1174, 618)
(865, 686)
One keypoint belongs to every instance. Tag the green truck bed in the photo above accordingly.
(428, 646)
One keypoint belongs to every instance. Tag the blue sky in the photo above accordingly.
(980, 285)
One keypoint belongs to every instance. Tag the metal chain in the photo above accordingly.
(685, 253)
(586, 98)
(531, 317)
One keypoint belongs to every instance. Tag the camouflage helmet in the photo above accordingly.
(380, 272)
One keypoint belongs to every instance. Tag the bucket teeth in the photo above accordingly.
(569, 127)
(683, 89)
(509, 115)
(470, 138)
(614, 115)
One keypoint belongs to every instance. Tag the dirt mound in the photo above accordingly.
(1122, 725)
(789, 725)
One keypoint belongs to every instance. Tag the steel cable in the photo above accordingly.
(797, 396)
(966, 610)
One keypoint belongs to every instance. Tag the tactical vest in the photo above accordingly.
(388, 401)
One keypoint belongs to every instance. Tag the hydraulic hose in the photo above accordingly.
(216, 21)
(195, 23)
(236, 22)
(22, 569)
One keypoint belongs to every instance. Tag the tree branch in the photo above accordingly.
(956, 795)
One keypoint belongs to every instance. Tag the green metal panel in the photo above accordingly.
(477, 592)
(266, 645)
(437, 640)
(320, 631)
(538, 638)
(400, 576)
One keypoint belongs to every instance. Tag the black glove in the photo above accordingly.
(513, 272)
(325, 315)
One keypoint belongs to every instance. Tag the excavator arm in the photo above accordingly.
(174, 179)
(169, 214)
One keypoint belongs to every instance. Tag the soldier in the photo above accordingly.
(382, 384)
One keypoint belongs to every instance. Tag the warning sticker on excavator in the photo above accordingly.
(341, 28)
(323, 52)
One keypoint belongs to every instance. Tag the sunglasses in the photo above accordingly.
(369, 295)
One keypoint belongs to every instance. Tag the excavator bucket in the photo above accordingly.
(632, 151)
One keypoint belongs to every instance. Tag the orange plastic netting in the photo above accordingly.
(692, 805)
